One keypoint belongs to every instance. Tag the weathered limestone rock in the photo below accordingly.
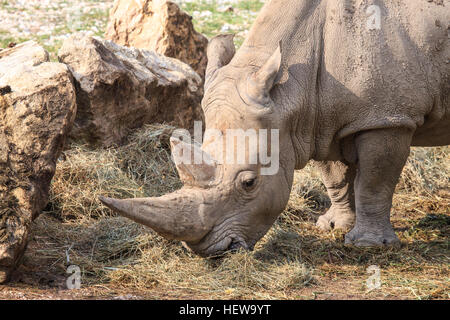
(158, 25)
(37, 109)
(120, 89)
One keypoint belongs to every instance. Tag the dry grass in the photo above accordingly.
(294, 260)
(143, 167)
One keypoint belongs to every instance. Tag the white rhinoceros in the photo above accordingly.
(351, 84)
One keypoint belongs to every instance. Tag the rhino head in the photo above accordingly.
(225, 205)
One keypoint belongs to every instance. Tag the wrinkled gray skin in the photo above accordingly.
(352, 99)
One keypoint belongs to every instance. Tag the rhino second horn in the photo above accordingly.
(176, 216)
(194, 174)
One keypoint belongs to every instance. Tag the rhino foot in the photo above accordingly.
(385, 238)
(336, 218)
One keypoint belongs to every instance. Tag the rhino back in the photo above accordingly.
(345, 76)
(397, 75)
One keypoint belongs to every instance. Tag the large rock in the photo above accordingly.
(37, 109)
(158, 25)
(120, 89)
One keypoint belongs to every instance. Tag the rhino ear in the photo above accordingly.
(220, 52)
(260, 83)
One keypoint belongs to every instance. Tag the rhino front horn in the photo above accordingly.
(178, 216)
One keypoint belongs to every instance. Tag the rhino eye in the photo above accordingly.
(249, 183)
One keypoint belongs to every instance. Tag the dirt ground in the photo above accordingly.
(419, 270)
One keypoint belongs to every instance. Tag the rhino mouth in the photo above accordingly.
(220, 248)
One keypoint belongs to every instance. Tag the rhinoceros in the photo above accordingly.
(350, 85)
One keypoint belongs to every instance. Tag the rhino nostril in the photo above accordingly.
(236, 245)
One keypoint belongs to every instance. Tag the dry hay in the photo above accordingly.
(142, 167)
(294, 260)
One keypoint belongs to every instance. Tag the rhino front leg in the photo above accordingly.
(338, 178)
(381, 157)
